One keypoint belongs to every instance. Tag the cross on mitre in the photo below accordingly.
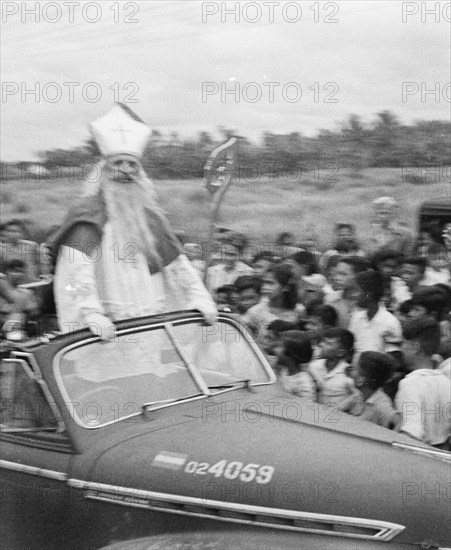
(120, 131)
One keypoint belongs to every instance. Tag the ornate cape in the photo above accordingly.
(92, 212)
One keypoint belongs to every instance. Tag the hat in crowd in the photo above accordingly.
(120, 131)
(387, 202)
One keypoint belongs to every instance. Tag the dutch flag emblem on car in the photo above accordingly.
(171, 461)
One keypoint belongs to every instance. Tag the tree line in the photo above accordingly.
(383, 142)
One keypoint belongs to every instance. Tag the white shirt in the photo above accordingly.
(424, 400)
(122, 289)
(219, 276)
(301, 384)
(382, 333)
(335, 385)
(445, 367)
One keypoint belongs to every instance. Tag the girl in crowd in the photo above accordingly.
(279, 301)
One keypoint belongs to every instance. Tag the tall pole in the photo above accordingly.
(219, 172)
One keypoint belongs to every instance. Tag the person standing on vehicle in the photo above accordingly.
(116, 255)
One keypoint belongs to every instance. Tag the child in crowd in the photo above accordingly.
(14, 245)
(331, 371)
(261, 262)
(293, 360)
(343, 299)
(225, 298)
(346, 243)
(434, 301)
(430, 300)
(343, 275)
(424, 395)
(17, 305)
(311, 290)
(412, 272)
(402, 313)
(438, 265)
(274, 339)
(374, 328)
(320, 318)
(279, 301)
(231, 267)
(248, 290)
(388, 262)
(304, 263)
(373, 404)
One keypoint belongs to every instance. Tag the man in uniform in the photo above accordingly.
(388, 233)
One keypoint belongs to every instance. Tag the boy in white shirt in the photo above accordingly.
(424, 395)
(374, 328)
(331, 372)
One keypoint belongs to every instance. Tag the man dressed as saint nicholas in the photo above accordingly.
(116, 255)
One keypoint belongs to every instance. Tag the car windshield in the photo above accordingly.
(104, 382)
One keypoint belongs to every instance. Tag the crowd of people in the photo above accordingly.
(365, 329)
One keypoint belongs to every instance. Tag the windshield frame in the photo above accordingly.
(168, 327)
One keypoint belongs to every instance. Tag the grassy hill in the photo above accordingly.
(260, 209)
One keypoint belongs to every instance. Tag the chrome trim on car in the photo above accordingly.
(31, 367)
(269, 371)
(191, 367)
(437, 453)
(31, 360)
(163, 324)
(275, 518)
(33, 470)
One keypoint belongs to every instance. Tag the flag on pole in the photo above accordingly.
(221, 165)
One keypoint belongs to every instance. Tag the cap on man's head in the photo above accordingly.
(120, 131)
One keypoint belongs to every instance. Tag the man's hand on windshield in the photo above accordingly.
(208, 310)
(100, 325)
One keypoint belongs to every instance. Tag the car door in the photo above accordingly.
(35, 456)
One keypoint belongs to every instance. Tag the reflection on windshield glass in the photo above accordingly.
(221, 353)
(105, 382)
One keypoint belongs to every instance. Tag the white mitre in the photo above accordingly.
(120, 131)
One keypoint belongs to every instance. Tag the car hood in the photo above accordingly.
(269, 449)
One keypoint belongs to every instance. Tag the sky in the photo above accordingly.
(293, 66)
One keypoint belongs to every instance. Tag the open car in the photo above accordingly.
(179, 429)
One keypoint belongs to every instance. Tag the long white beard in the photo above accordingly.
(125, 204)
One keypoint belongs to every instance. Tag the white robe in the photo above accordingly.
(118, 284)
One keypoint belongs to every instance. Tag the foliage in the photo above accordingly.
(384, 142)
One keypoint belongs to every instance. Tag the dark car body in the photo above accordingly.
(433, 215)
(209, 448)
